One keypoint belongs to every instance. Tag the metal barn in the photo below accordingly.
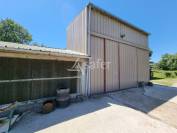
(108, 38)
(95, 36)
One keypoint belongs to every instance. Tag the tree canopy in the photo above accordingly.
(168, 62)
(11, 31)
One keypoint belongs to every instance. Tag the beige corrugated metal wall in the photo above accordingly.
(109, 28)
(143, 65)
(128, 55)
(128, 66)
(97, 72)
(105, 25)
(77, 33)
(112, 60)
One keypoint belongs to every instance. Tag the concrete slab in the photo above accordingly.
(137, 100)
(99, 115)
(159, 102)
(162, 92)
(167, 113)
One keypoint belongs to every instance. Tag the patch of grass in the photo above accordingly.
(167, 78)
(158, 75)
(166, 81)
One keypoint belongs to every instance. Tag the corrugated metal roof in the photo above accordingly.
(117, 18)
(26, 48)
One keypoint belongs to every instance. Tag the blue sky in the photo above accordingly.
(47, 20)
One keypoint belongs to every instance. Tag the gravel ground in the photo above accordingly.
(134, 110)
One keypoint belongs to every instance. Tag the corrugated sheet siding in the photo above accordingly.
(11, 68)
(77, 33)
(105, 25)
(112, 72)
(143, 65)
(128, 66)
(97, 73)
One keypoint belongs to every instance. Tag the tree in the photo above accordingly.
(168, 62)
(11, 31)
(150, 53)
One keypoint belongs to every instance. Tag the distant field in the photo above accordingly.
(163, 78)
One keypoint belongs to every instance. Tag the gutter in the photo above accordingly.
(24, 51)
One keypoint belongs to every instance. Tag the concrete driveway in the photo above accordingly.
(149, 110)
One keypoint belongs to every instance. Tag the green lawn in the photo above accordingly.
(159, 77)
(166, 81)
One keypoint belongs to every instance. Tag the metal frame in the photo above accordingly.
(38, 79)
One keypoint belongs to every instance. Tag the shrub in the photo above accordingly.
(176, 74)
(162, 74)
(173, 75)
(168, 74)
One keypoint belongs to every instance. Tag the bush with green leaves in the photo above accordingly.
(176, 74)
(170, 74)
(161, 74)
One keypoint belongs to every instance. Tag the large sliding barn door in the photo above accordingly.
(121, 71)
(128, 66)
(143, 65)
(97, 72)
(112, 69)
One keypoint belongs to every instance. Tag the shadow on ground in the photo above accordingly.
(42, 121)
(146, 99)
(156, 78)
(159, 102)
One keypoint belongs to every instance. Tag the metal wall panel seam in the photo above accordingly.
(119, 62)
(104, 43)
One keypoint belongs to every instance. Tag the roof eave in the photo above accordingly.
(6, 49)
